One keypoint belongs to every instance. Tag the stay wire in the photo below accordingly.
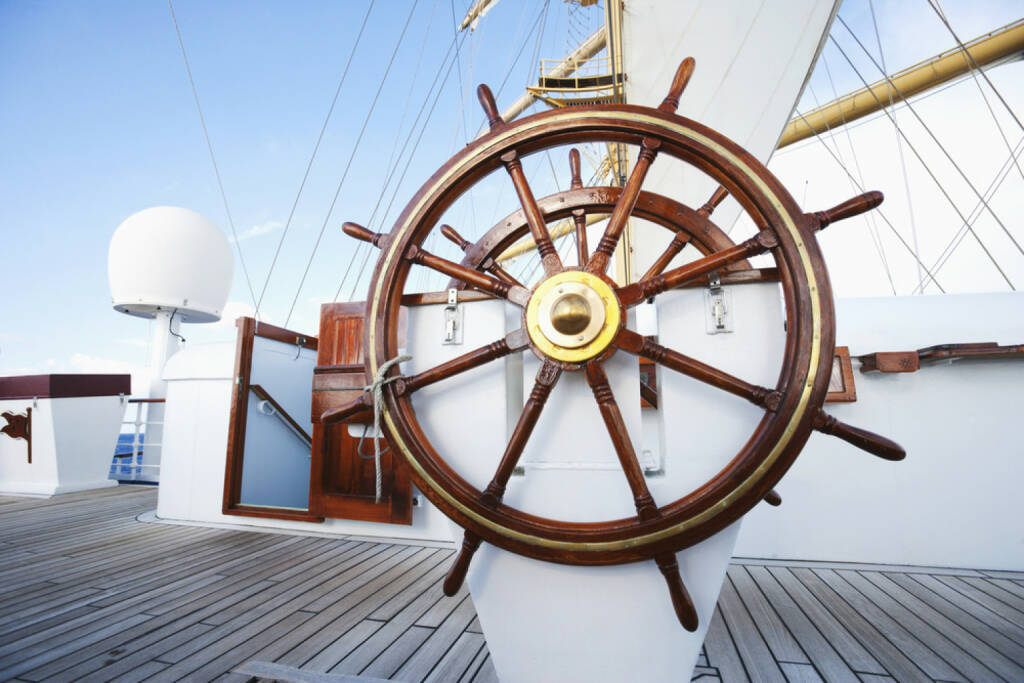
(213, 158)
(975, 70)
(394, 168)
(958, 238)
(899, 146)
(925, 166)
(312, 157)
(935, 139)
(355, 148)
(977, 67)
(880, 213)
(398, 184)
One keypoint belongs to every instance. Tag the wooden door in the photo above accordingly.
(343, 481)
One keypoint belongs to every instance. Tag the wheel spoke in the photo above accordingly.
(633, 294)
(579, 216)
(538, 226)
(547, 376)
(517, 294)
(635, 343)
(861, 438)
(597, 379)
(488, 264)
(513, 341)
(682, 603)
(681, 239)
(598, 262)
(549, 257)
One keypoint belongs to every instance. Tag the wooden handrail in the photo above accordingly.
(147, 400)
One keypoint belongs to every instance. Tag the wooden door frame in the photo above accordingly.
(248, 330)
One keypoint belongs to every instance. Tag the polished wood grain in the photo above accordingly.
(549, 258)
(861, 438)
(855, 206)
(602, 255)
(646, 508)
(514, 293)
(490, 107)
(682, 603)
(343, 474)
(681, 239)
(489, 264)
(64, 386)
(630, 295)
(579, 216)
(846, 391)
(514, 341)
(547, 377)
(679, 82)
(646, 347)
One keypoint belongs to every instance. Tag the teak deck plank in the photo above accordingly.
(88, 592)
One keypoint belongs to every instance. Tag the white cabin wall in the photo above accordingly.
(955, 501)
(199, 387)
(752, 61)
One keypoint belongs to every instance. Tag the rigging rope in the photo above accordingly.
(923, 164)
(927, 129)
(213, 159)
(377, 389)
(316, 147)
(405, 170)
(899, 146)
(975, 70)
(348, 166)
(860, 188)
(387, 181)
(961, 234)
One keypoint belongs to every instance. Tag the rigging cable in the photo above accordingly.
(958, 238)
(316, 147)
(899, 146)
(398, 184)
(878, 210)
(975, 70)
(872, 225)
(923, 125)
(213, 159)
(394, 167)
(924, 165)
(355, 148)
(397, 160)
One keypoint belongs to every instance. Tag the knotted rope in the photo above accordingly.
(377, 389)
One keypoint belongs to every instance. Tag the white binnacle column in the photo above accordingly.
(166, 341)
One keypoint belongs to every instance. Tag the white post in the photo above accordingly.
(164, 345)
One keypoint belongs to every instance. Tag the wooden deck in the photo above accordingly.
(87, 592)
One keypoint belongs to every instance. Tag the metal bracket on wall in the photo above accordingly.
(717, 306)
(19, 426)
(453, 318)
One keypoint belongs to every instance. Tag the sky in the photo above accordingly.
(98, 121)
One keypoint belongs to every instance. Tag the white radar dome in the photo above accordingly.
(168, 258)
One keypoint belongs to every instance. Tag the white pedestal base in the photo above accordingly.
(551, 622)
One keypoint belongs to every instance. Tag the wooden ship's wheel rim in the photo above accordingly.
(582, 303)
(775, 442)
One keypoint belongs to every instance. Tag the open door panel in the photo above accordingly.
(343, 481)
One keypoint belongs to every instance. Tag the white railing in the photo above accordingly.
(140, 426)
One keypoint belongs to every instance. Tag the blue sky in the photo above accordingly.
(98, 122)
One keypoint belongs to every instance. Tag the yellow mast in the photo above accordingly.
(990, 49)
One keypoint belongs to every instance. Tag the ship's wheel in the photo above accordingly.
(574, 320)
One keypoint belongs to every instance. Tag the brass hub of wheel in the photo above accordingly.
(573, 316)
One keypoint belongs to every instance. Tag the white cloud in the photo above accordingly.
(257, 230)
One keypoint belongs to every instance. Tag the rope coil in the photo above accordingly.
(377, 389)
